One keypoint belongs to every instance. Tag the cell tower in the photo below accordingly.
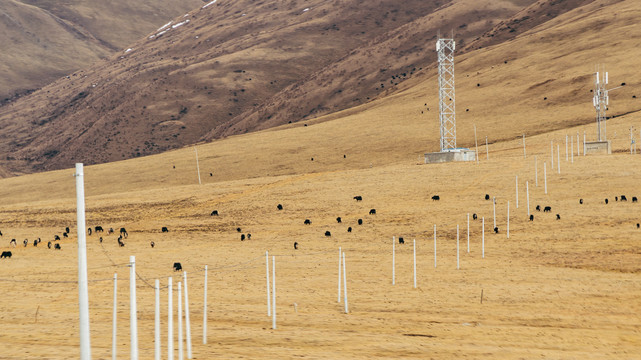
(601, 101)
(447, 99)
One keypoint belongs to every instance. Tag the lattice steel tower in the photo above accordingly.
(447, 100)
(601, 101)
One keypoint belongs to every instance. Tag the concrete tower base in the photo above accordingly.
(450, 155)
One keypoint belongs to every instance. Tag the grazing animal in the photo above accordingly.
(89, 231)
(358, 198)
(12, 242)
(56, 238)
(436, 198)
(360, 221)
(177, 266)
(487, 197)
(35, 242)
(349, 229)
(0, 233)
(558, 217)
(57, 247)
(616, 198)
(5, 254)
(307, 222)
(496, 230)
(474, 217)
(401, 240)
(249, 236)
(623, 198)
(279, 207)
(372, 212)
(49, 244)
(123, 232)
(100, 239)
(606, 201)
(338, 220)
(238, 229)
(67, 229)
(120, 242)
(328, 234)
(538, 208)
(214, 213)
(152, 244)
(531, 217)
(99, 229)
(634, 199)
(242, 237)
(39, 241)
(164, 229)
(581, 201)
(637, 225)
(111, 231)
(295, 245)
(25, 242)
(65, 235)
(547, 209)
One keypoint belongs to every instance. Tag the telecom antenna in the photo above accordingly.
(601, 101)
(447, 101)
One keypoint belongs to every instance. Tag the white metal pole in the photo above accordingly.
(536, 172)
(393, 261)
(115, 327)
(527, 197)
(205, 309)
(508, 219)
(187, 323)
(170, 320)
(414, 263)
(572, 151)
(274, 292)
(494, 208)
(524, 147)
(133, 313)
(578, 144)
(340, 252)
(552, 153)
(558, 158)
(269, 306)
(345, 285)
(197, 166)
(545, 177)
(83, 291)
(457, 252)
(476, 142)
(468, 232)
(517, 191)
(435, 246)
(584, 143)
(157, 321)
(180, 322)
(566, 149)
(483, 239)
(487, 151)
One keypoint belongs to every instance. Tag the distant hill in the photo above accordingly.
(43, 40)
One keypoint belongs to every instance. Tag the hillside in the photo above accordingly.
(43, 40)
(206, 75)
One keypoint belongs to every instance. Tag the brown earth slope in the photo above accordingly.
(43, 40)
(229, 60)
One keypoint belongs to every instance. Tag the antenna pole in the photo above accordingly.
(447, 100)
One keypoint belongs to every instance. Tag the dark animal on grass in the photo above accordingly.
(634, 199)
(581, 201)
(637, 225)
(67, 229)
(606, 201)
(496, 230)
(249, 236)
(123, 232)
(56, 238)
(214, 213)
(349, 229)
(558, 217)
(35, 242)
(401, 240)
(25, 242)
(623, 198)
(0, 233)
(328, 234)
(338, 220)
(5, 254)
(12, 242)
(152, 244)
(178, 267)
(164, 229)
(111, 231)
(295, 245)
(547, 209)
(100, 239)
(49, 244)
(372, 212)
(531, 217)
(120, 242)
(487, 197)
(242, 237)
(65, 235)
(57, 247)
(358, 198)
(279, 207)
(474, 217)
(360, 221)
(307, 222)
(538, 208)
(436, 198)
(99, 229)
(238, 229)
(89, 231)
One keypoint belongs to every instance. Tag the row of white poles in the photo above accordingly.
(133, 318)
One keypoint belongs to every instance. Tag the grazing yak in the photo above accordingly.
(372, 212)
(67, 229)
(12, 242)
(295, 245)
(360, 221)
(56, 238)
(531, 217)
(120, 242)
(89, 231)
(279, 207)
(100, 239)
(249, 236)
(5, 254)
(581, 201)
(436, 198)
(349, 229)
(487, 197)
(606, 201)
(49, 244)
(214, 213)
(242, 237)
(238, 229)
(638, 225)
(547, 209)
(496, 230)
(178, 267)
(558, 217)
(123, 232)
(401, 240)
(57, 247)
(474, 217)
(634, 199)
(538, 208)
(35, 242)
(152, 244)
(328, 234)
(623, 198)
(65, 235)
(358, 198)
(25, 242)
(111, 231)
(98, 229)
(338, 219)
(307, 222)
(164, 229)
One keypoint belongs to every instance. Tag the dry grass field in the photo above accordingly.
(556, 289)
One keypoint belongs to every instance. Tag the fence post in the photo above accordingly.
(157, 320)
(345, 285)
(83, 291)
(187, 323)
(269, 306)
(114, 337)
(133, 313)
(170, 319)
(205, 309)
